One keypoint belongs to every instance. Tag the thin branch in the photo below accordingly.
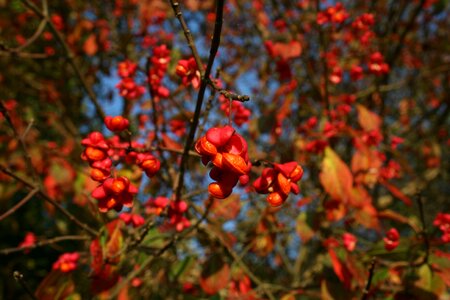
(205, 77)
(187, 33)
(19, 278)
(423, 232)
(47, 198)
(369, 280)
(22, 202)
(23, 54)
(42, 243)
(148, 261)
(21, 140)
(69, 55)
(32, 39)
(227, 94)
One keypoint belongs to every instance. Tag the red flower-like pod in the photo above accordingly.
(235, 163)
(392, 239)
(220, 191)
(220, 136)
(283, 184)
(205, 147)
(117, 123)
(275, 199)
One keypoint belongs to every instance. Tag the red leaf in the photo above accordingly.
(56, 285)
(335, 176)
(341, 270)
(215, 275)
(396, 192)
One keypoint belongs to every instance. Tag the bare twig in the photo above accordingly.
(19, 204)
(423, 232)
(68, 53)
(21, 140)
(45, 243)
(47, 198)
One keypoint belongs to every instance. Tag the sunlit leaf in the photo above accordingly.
(367, 119)
(303, 229)
(335, 176)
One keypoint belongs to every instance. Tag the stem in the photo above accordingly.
(423, 232)
(369, 280)
(205, 78)
(22, 202)
(8, 251)
(188, 35)
(47, 198)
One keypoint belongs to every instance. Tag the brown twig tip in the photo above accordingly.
(232, 96)
(19, 278)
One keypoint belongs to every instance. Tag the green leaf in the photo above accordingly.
(178, 269)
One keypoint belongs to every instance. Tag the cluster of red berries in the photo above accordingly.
(364, 22)
(134, 219)
(362, 29)
(279, 181)
(96, 154)
(442, 221)
(227, 151)
(333, 14)
(176, 216)
(114, 192)
(128, 88)
(159, 64)
(156, 205)
(377, 66)
(67, 262)
(188, 71)
(392, 239)
(240, 114)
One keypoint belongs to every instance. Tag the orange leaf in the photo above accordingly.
(335, 176)
(368, 119)
(90, 46)
(366, 166)
(227, 208)
(215, 275)
(170, 143)
(288, 50)
(367, 216)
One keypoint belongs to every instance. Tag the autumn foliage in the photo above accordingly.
(256, 149)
